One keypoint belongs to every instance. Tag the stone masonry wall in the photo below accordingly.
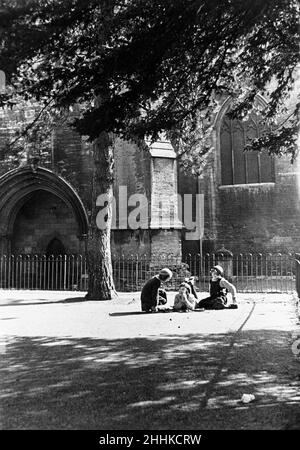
(73, 159)
(165, 236)
(166, 242)
(254, 218)
(132, 176)
(263, 218)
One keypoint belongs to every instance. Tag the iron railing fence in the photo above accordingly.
(249, 272)
(65, 272)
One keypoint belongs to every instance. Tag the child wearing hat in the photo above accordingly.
(184, 301)
(152, 295)
(219, 287)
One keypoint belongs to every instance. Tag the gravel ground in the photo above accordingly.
(67, 363)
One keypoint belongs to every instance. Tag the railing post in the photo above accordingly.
(137, 273)
(297, 261)
(65, 272)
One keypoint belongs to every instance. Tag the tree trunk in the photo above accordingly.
(101, 284)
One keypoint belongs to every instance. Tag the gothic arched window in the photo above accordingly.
(239, 166)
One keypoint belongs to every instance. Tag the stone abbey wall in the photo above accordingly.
(255, 218)
(41, 217)
(261, 217)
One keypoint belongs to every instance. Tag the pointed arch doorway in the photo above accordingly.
(40, 214)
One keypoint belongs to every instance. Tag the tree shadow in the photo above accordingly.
(150, 383)
(166, 311)
(41, 301)
(130, 313)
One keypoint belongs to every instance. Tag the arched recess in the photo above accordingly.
(17, 185)
(219, 121)
(55, 247)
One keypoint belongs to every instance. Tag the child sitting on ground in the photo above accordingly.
(184, 301)
(152, 295)
(219, 287)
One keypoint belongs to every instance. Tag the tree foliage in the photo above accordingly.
(156, 65)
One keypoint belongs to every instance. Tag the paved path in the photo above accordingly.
(73, 364)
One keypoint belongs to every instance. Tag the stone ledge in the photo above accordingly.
(247, 186)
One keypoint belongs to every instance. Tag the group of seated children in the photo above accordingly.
(153, 296)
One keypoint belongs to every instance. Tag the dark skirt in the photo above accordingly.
(149, 303)
(213, 302)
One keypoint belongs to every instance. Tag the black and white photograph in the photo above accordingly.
(150, 221)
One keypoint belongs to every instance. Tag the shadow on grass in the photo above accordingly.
(145, 383)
